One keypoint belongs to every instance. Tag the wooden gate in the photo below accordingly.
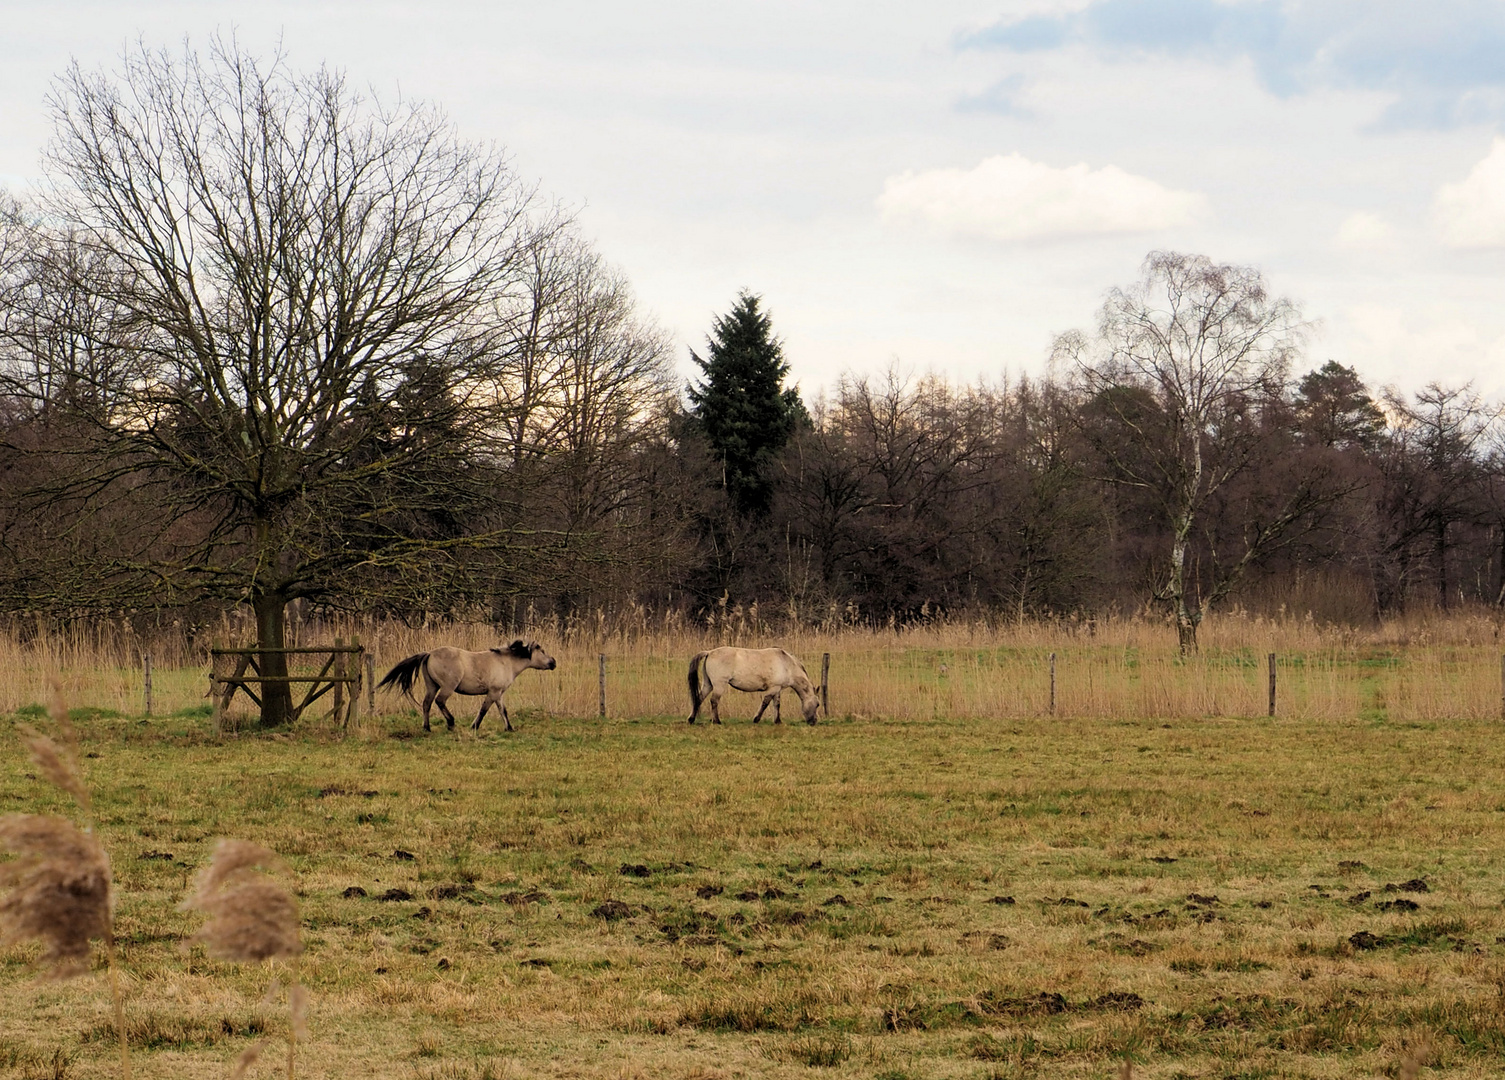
(340, 676)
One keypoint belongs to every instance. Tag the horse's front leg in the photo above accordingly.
(764, 707)
(778, 702)
(506, 719)
(485, 704)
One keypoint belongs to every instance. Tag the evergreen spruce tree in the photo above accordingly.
(742, 407)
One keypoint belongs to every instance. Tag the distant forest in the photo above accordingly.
(268, 346)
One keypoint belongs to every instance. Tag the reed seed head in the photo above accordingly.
(297, 1003)
(60, 890)
(1412, 1062)
(246, 1059)
(251, 916)
(232, 857)
(57, 764)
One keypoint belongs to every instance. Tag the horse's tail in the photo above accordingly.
(404, 673)
(695, 696)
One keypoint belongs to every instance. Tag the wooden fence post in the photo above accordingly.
(370, 661)
(146, 663)
(353, 671)
(1272, 684)
(217, 714)
(602, 682)
(339, 687)
(1052, 684)
(825, 683)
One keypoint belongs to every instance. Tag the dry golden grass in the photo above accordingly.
(639, 898)
(1422, 668)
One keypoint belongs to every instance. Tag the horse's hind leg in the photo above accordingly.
(428, 703)
(449, 717)
(715, 700)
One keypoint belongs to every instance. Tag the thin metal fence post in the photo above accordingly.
(825, 683)
(602, 681)
(146, 663)
(1052, 684)
(1272, 684)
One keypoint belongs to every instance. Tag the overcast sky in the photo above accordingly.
(947, 184)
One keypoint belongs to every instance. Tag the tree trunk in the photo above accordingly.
(271, 633)
(1186, 618)
(1500, 580)
(1186, 631)
(1440, 544)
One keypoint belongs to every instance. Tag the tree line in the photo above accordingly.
(265, 339)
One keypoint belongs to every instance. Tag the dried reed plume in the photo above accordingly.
(59, 889)
(247, 1058)
(251, 916)
(1411, 1062)
(57, 764)
(297, 1003)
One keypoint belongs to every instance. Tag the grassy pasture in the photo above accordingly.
(916, 888)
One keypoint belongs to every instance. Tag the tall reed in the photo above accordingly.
(252, 917)
(61, 890)
(1425, 667)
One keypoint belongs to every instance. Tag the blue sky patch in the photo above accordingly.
(1444, 61)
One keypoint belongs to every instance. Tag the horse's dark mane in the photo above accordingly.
(517, 649)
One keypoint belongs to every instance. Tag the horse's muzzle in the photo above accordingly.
(553, 664)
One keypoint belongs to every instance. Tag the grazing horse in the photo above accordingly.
(448, 670)
(756, 671)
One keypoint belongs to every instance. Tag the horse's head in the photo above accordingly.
(533, 653)
(810, 702)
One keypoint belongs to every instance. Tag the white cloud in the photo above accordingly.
(1013, 198)
(1471, 213)
(1365, 231)
(1435, 339)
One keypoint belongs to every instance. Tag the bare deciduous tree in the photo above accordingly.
(1181, 366)
(315, 292)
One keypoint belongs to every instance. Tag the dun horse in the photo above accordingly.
(448, 670)
(756, 671)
